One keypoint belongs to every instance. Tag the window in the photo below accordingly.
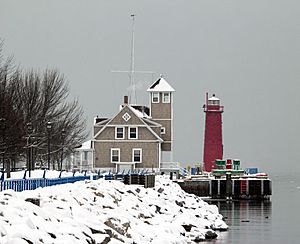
(155, 97)
(115, 155)
(213, 102)
(163, 130)
(85, 155)
(119, 133)
(137, 155)
(133, 133)
(166, 97)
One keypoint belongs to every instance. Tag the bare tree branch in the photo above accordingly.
(38, 98)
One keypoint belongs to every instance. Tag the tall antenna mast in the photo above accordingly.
(132, 82)
(132, 72)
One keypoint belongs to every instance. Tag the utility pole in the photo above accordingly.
(49, 127)
(63, 135)
(29, 148)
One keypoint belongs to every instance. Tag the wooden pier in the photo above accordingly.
(227, 188)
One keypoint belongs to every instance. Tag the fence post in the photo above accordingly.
(2, 176)
(24, 177)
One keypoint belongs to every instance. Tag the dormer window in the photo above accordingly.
(166, 97)
(155, 97)
(119, 133)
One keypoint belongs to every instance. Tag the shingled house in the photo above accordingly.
(137, 137)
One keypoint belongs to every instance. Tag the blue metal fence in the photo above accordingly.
(32, 184)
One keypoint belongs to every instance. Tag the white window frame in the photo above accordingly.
(116, 132)
(163, 130)
(141, 154)
(155, 93)
(111, 155)
(164, 97)
(136, 135)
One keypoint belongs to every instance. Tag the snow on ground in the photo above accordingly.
(107, 211)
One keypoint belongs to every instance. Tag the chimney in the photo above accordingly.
(125, 99)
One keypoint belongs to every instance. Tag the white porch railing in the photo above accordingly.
(174, 166)
(169, 165)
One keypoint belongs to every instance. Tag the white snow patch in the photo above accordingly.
(97, 211)
(37, 174)
(161, 86)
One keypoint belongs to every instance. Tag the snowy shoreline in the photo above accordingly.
(104, 211)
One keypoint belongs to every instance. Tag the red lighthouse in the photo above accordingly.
(213, 146)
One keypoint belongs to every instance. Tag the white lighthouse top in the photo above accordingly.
(161, 85)
(214, 100)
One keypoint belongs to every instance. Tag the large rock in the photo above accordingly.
(209, 235)
(35, 201)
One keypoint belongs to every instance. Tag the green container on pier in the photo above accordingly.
(236, 164)
(220, 163)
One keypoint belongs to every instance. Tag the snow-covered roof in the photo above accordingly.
(214, 98)
(139, 113)
(151, 122)
(161, 85)
(100, 121)
(86, 145)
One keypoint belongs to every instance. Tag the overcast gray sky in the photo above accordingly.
(247, 52)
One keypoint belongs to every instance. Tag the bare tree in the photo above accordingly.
(44, 100)
(31, 100)
(10, 118)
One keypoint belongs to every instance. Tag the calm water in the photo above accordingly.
(275, 221)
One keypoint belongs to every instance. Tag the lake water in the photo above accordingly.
(274, 221)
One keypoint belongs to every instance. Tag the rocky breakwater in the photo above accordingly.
(107, 212)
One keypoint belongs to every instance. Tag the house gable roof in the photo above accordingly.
(134, 120)
(151, 123)
(120, 118)
(101, 123)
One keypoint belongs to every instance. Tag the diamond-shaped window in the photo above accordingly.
(126, 117)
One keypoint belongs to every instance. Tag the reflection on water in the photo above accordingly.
(248, 221)
(265, 222)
